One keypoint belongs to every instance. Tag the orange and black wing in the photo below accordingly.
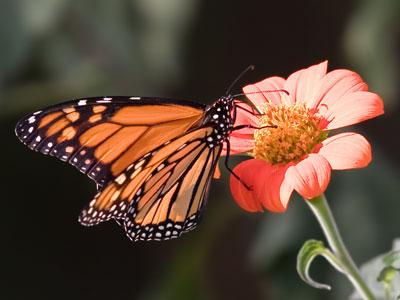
(103, 136)
(162, 193)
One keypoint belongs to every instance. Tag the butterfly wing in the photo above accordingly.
(160, 195)
(103, 136)
(151, 158)
(172, 202)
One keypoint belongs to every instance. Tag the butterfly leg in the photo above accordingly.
(228, 150)
(253, 127)
(249, 111)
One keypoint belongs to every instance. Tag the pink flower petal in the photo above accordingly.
(335, 85)
(245, 115)
(251, 172)
(302, 85)
(254, 91)
(311, 176)
(353, 108)
(239, 144)
(345, 151)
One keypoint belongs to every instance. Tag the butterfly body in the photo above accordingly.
(152, 158)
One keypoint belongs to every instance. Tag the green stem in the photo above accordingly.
(321, 210)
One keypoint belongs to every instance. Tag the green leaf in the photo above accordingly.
(392, 258)
(382, 274)
(387, 274)
(310, 250)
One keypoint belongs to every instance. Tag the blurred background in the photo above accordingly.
(55, 50)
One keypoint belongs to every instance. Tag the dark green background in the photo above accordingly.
(55, 50)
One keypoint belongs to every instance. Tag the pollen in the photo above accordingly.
(296, 133)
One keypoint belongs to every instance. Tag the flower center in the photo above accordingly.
(297, 133)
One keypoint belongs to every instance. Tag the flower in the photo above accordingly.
(298, 154)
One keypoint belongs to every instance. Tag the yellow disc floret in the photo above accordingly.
(297, 132)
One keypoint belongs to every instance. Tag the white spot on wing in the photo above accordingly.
(121, 178)
(139, 164)
(134, 98)
(82, 102)
(105, 100)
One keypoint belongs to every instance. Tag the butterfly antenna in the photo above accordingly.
(251, 67)
(260, 92)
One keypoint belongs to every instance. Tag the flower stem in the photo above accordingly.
(321, 210)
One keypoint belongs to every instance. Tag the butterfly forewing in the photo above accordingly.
(102, 136)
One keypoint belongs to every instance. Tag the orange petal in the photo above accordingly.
(335, 85)
(254, 91)
(250, 172)
(267, 183)
(303, 84)
(277, 190)
(345, 151)
(353, 108)
(311, 176)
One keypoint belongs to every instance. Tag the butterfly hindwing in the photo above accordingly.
(171, 202)
(102, 136)
(143, 176)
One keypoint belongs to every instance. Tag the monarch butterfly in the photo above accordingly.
(152, 158)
